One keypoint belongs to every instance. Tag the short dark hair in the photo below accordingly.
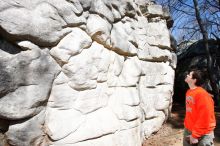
(199, 76)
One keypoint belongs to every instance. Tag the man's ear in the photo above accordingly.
(194, 80)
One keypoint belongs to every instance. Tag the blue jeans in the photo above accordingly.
(205, 140)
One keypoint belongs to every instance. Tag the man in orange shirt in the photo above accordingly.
(200, 116)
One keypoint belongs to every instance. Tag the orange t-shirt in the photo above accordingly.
(200, 115)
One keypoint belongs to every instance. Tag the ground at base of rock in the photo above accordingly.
(171, 133)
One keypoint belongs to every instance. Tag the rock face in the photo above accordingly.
(83, 72)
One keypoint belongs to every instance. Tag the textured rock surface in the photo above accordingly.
(83, 72)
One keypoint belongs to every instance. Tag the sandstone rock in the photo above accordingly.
(91, 100)
(99, 29)
(158, 34)
(33, 25)
(123, 32)
(97, 124)
(27, 132)
(83, 72)
(26, 82)
(154, 10)
(72, 44)
(57, 120)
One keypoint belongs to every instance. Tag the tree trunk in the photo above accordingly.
(209, 57)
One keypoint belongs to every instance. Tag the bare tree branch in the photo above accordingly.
(214, 5)
(217, 38)
(185, 4)
(209, 57)
(180, 10)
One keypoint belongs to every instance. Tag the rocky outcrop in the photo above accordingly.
(81, 73)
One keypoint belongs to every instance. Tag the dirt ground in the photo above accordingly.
(171, 133)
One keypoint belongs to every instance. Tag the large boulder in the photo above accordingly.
(83, 72)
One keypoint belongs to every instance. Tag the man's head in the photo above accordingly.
(195, 77)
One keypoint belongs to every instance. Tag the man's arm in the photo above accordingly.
(203, 115)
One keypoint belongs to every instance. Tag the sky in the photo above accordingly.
(185, 25)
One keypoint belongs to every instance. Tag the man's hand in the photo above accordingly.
(192, 140)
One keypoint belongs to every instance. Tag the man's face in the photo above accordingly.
(189, 79)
